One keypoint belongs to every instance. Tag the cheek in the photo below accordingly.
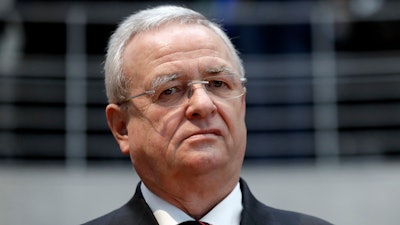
(150, 136)
(143, 147)
(236, 116)
(235, 120)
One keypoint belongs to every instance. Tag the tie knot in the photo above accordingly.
(194, 223)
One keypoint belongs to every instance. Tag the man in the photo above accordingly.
(175, 86)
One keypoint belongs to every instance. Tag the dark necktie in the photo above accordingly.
(193, 223)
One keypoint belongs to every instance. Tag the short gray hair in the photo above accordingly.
(117, 85)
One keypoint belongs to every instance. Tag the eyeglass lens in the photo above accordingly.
(176, 92)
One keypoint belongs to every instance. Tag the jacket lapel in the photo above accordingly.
(254, 212)
(137, 211)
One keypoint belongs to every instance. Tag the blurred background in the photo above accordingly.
(323, 107)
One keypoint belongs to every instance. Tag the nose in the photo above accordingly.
(200, 104)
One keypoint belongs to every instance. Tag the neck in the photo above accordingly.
(197, 196)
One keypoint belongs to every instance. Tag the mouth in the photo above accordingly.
(204, 134)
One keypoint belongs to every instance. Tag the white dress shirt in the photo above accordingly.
(227, 212)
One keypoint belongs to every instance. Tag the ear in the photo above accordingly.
(117, 122)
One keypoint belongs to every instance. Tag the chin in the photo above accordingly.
(204, 161)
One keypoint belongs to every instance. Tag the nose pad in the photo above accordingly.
(190, 92)
(200, 104)
(192, 87)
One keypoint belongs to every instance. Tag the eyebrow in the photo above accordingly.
(160, 80)
(163, 79)
(220, 69)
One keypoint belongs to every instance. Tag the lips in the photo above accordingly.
(204, 133)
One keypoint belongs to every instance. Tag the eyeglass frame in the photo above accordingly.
(243, 80)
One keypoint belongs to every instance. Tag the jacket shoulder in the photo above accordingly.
(256, 213)
(134, 212)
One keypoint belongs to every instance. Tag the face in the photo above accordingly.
(204, 136)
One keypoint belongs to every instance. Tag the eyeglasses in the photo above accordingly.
(175, 91)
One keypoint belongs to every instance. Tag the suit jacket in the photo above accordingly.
(137, 212)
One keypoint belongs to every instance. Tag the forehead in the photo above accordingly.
(183, 35)
(175, 48)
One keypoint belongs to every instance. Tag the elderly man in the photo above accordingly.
(175, 86)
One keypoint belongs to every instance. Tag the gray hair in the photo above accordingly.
(117, 85)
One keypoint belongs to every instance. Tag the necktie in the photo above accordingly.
(194, 223)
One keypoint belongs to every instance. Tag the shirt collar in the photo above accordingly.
(228, 211)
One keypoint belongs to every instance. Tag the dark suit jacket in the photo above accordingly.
(137, 212)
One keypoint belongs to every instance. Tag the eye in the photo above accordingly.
(220, 82)
(168, 88)
(216, 83)
(169, 91)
